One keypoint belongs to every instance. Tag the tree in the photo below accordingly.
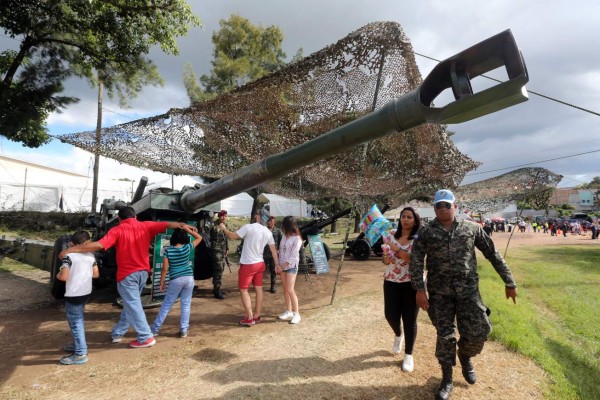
(243, 53)
(61, 38)
(594, 184)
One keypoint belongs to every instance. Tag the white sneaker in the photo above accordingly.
(287, 314)
(295, 319)
(397, 346)
(408, 365)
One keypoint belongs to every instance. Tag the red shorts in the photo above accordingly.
(250, 273)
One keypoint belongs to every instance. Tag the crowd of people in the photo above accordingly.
(553, 226)
(432, 267)
(132, 240)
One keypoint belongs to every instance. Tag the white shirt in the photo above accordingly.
(80, 275)
(289, 251)
(256, 237)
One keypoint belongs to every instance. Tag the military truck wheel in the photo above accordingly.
(100, 283)
(57, 288)
(361, 250)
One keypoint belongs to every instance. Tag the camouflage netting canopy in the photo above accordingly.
(532, 185)
(346, 80)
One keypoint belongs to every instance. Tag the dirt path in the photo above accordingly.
(339, 351)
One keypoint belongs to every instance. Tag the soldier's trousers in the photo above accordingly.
(218, 265)
(271, 267)
(472, 319)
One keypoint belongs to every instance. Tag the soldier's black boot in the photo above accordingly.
(468, 370)
(445, 388)
(218, 293)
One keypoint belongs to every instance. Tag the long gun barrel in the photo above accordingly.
(321, 223)
(406, 112)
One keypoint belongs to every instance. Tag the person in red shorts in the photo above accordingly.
(132, 241)
(252, 264)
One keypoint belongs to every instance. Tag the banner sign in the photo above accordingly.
(318, 254)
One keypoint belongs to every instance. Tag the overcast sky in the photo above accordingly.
(559, 41)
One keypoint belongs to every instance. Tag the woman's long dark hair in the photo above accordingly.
(179, 236)
(415, 228)
(289, 226)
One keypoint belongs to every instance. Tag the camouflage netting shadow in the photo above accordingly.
(532, 185)
(362, 72)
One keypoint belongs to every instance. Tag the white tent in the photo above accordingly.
(34, 187)
(280, 206)
(426, 213)
(238, 205)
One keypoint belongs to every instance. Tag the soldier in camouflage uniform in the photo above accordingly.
(267, 253)
(219, 247)
(448, 245)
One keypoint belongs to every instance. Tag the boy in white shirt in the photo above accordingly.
(77, 270)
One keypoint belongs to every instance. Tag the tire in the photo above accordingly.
(57, 288)
(361, 250)
(349, 247)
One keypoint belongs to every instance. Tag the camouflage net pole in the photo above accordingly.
(359, 180)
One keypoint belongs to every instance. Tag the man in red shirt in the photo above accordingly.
(132, 241)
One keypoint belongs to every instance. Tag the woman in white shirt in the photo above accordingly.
(289, 258)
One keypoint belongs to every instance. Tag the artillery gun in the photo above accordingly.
(315, 227)
(361, 249)
(414, 108)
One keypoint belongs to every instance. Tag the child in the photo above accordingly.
(176, 260)
(77, 270)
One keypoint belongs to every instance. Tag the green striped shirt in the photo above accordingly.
(179, 260)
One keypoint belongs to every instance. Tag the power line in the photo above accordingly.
(484, 76)
(116, 113)
(533, 163)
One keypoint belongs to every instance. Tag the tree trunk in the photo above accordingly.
(254, 193)
(357, 218)
(14, 66)
(97, 150)
(334, 210)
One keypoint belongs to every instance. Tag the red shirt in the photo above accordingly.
(132, 240)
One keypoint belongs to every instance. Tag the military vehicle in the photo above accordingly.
(197, 204)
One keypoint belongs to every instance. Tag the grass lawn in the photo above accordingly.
(556, 320)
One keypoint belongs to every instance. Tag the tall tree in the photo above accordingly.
(594, 184)
(243, 52)
(83, 38)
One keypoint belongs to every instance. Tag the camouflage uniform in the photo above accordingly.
(219, 243)
(268, 257)
(453, 284)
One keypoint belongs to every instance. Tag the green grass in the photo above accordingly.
(556, 320)
(10, 265)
